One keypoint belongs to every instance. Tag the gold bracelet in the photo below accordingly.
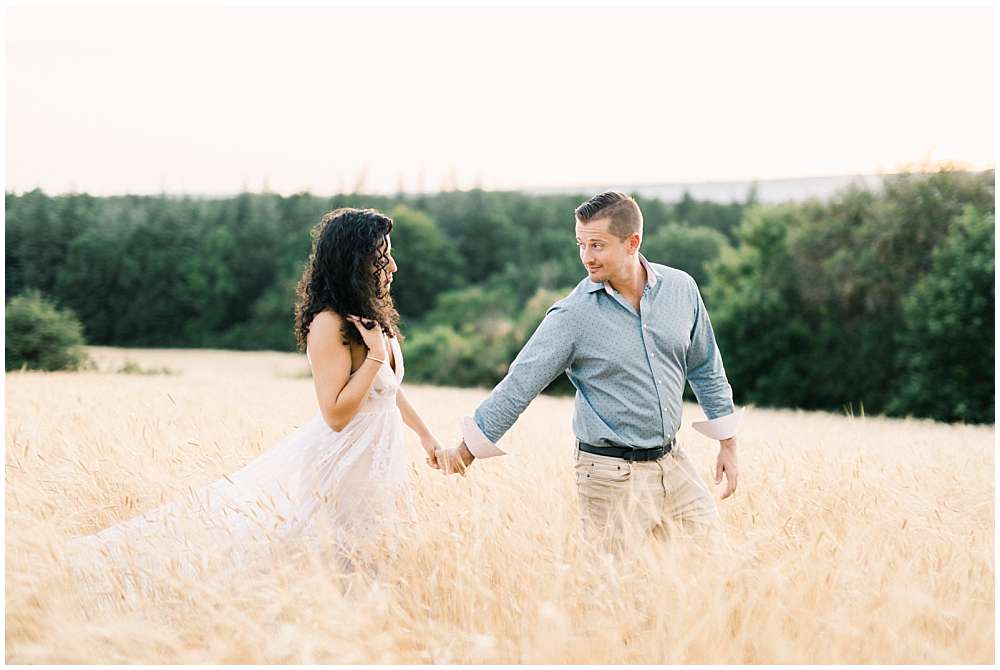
(375, 359)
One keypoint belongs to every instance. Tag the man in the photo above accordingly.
(628, 337)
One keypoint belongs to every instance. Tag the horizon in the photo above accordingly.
(768, 190)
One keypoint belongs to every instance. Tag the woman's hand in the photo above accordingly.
(431, 445)
(371, 333)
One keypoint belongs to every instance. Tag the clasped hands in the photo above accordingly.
(449, 461)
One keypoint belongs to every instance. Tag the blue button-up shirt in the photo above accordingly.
(628, 367)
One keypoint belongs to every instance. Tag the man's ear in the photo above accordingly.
(634, 240)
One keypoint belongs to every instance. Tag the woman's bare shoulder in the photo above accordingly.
(326, 319)
(326, 327)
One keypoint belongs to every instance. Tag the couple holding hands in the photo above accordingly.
(629, 336)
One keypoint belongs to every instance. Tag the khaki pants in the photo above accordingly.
(622, 502)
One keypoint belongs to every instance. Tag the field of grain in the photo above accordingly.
(858, 539)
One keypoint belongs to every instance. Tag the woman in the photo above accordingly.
(341, 477)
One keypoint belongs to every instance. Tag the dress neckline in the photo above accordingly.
(393, 357)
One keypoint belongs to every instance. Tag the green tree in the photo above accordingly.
(946, 345)
(688, 248)
(209, 283)
(429, 262)
(721, 217)
(469, 308)
(39, 230)
(87, 279)
(763, 332)
(808, 308)
(151, 278)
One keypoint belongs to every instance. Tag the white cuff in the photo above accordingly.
(721, 427)
(478, 444)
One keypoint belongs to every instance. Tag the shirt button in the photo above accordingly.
(659, 381)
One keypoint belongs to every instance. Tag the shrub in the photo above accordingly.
(131, 367)
(40, 336)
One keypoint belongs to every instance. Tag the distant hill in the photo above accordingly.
(768, 190)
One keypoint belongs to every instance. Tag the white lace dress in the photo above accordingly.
(345, 489)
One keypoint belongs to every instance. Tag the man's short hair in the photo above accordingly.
(621, 209)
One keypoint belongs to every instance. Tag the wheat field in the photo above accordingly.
(857, 539)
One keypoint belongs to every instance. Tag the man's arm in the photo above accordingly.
(708, 381)
(707, 376)
(547, 353)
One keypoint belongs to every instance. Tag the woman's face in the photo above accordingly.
(387, 272)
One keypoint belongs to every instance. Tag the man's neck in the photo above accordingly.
(631, 286)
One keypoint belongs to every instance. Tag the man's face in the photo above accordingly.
(603, 255)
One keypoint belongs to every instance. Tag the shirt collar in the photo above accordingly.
(652, 276)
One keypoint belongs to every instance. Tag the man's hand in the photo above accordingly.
(454, 460)
(726, 463)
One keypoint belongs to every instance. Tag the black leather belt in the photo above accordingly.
(629, 453)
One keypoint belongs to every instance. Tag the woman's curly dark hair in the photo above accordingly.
(345, 273)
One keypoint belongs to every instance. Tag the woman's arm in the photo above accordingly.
(338, 393)
(412, 419)
(410, 416)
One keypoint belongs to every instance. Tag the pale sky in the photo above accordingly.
(144, 100)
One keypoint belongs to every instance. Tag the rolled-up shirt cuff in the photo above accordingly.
(721, 427)
(476, 441)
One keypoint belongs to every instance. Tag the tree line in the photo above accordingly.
(874, 299)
